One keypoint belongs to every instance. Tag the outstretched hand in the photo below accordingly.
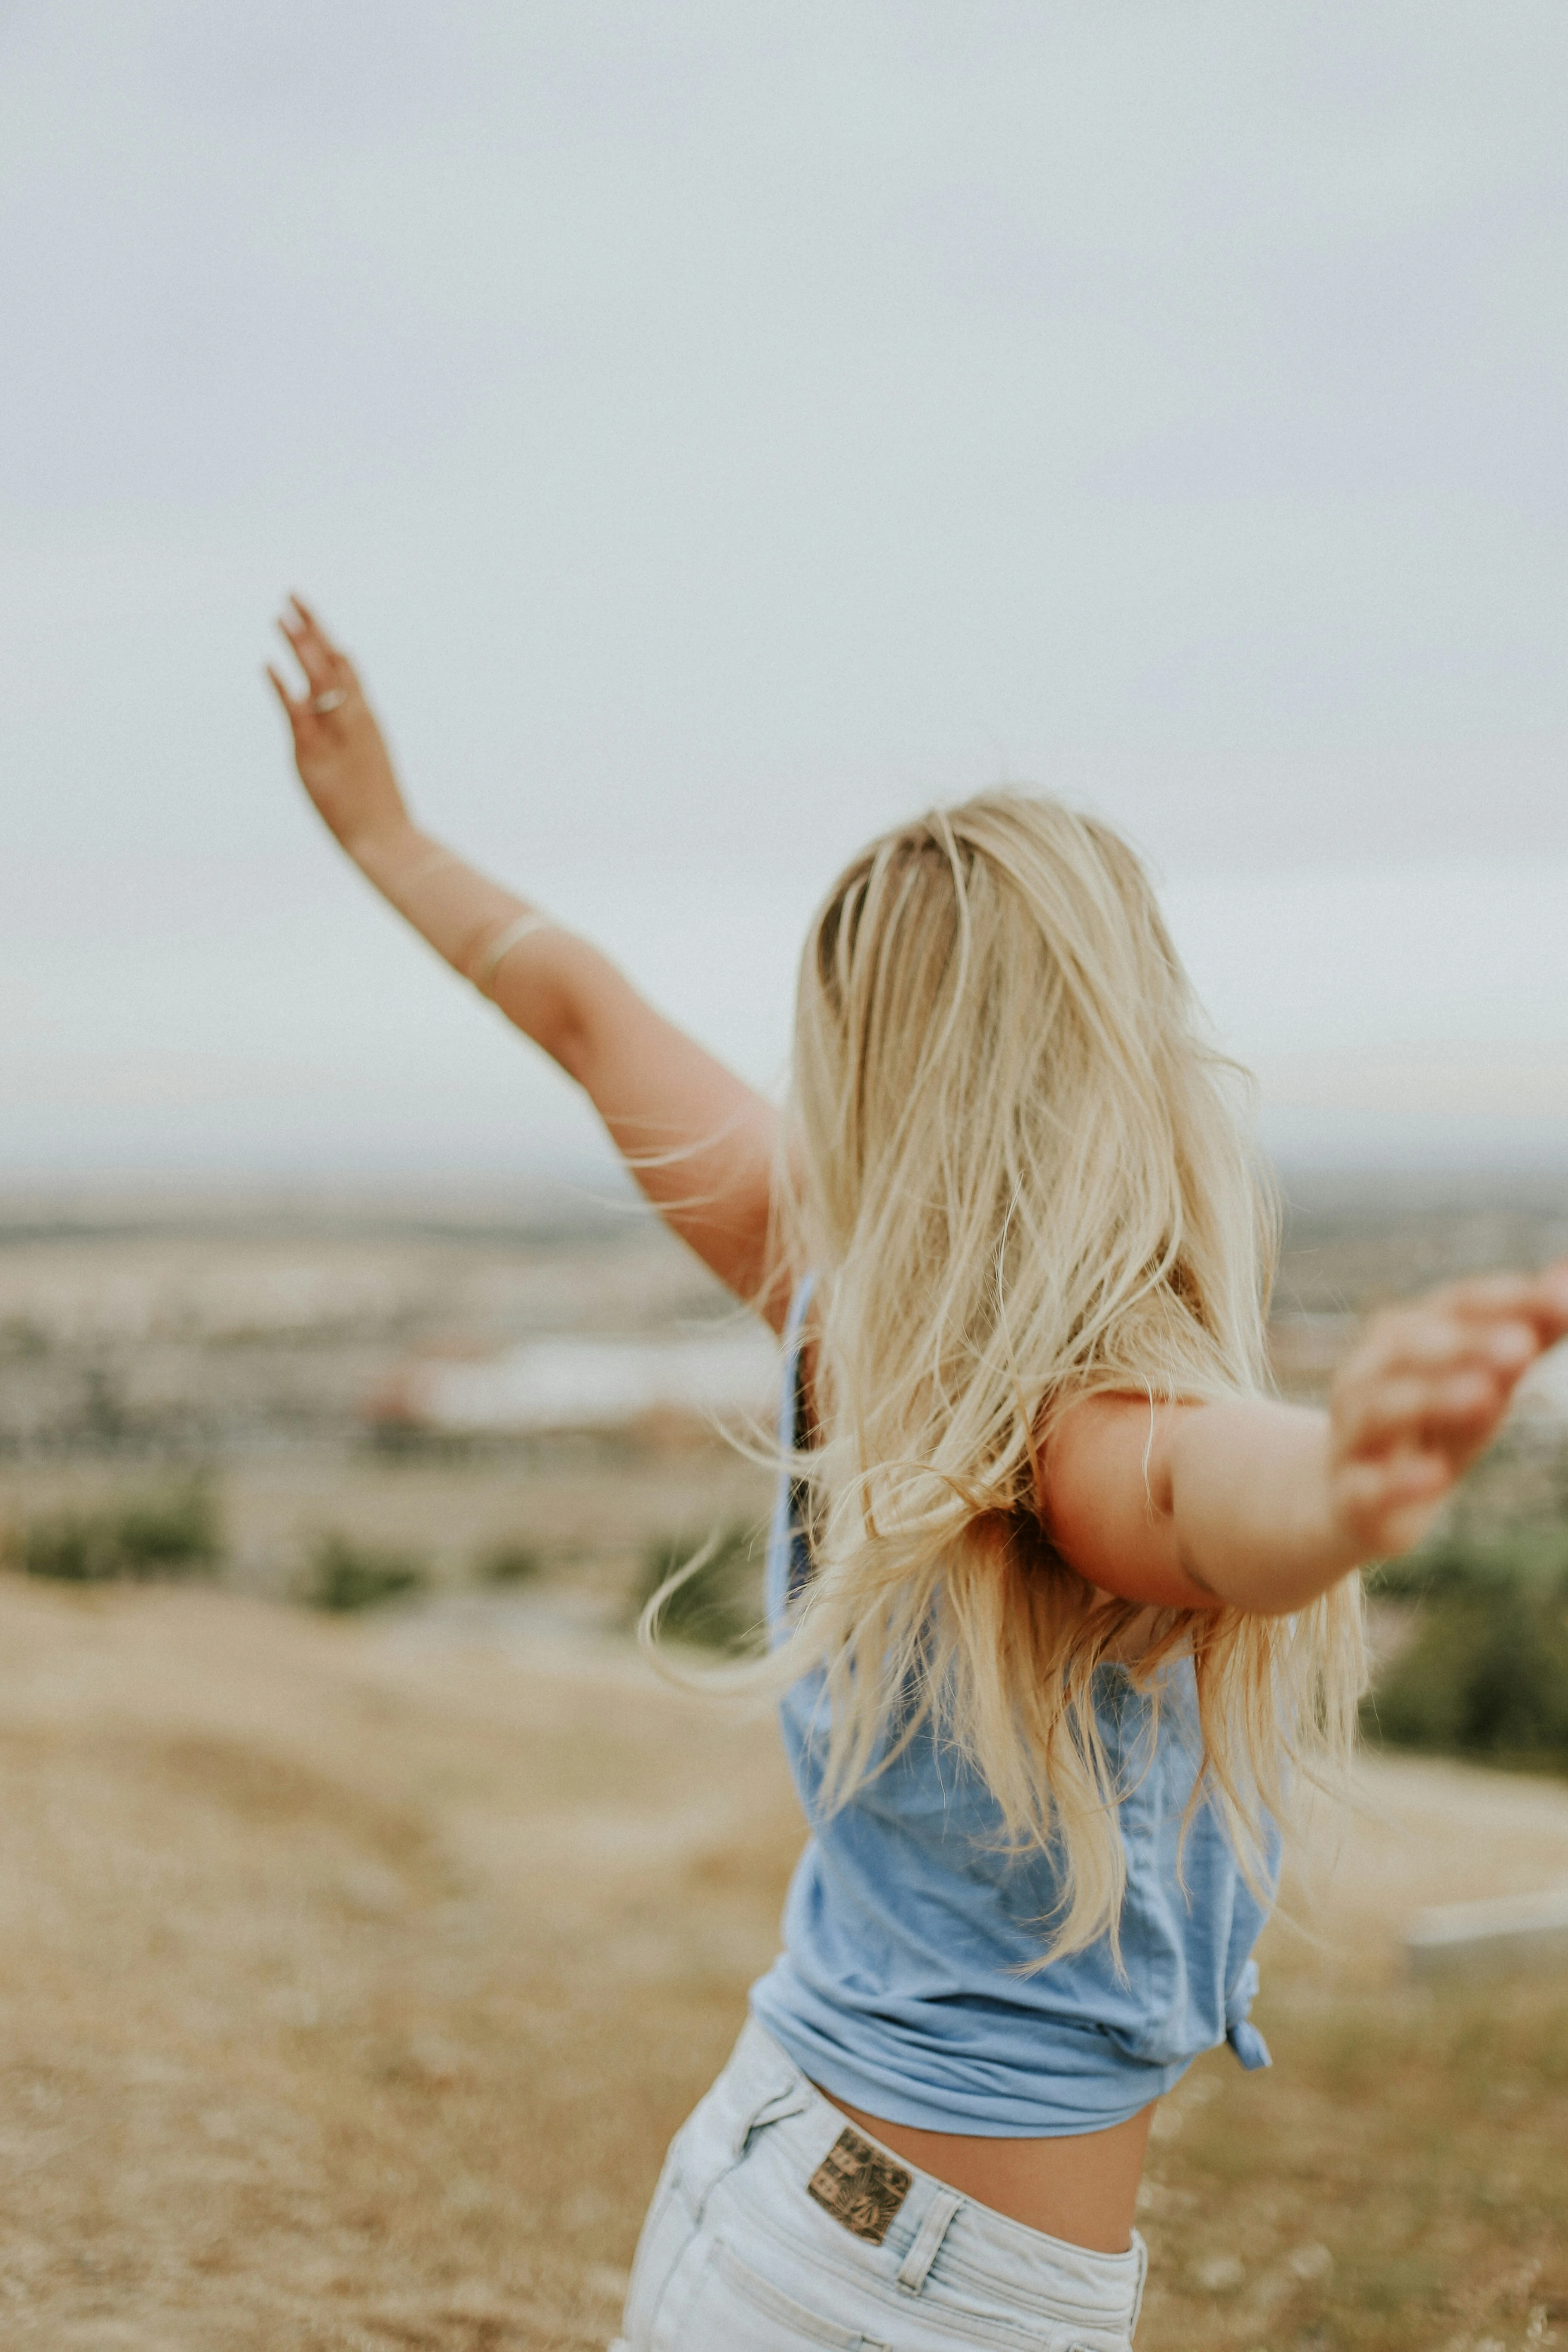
(1423, 1393)
(338, 748)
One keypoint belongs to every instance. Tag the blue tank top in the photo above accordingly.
(900, 1988)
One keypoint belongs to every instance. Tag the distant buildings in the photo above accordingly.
(574, 1381)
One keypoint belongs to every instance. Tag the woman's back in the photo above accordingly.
(909, 1985)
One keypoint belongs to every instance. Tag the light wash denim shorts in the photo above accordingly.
(777, 2226)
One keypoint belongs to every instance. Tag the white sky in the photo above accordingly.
(721, 429)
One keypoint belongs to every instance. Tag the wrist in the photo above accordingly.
(1258, 1519)
(390, 851)
(1324, 1538)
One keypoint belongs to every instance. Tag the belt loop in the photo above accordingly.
(938, 2214)
(717, 2137)
(1142, 2250)
(793, 2100)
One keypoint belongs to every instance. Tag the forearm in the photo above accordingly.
(1263, 1506)
(551, 983)
(458, 908)
(1245, 1487)
(698, 1141)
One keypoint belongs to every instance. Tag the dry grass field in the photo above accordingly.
(354, 1975)
(355, 1972)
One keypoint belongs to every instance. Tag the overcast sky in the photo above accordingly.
(718, 430)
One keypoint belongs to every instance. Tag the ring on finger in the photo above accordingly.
(333, 699)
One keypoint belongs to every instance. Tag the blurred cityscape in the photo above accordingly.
(468, 1379)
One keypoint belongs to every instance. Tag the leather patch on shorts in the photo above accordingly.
(860, 2186)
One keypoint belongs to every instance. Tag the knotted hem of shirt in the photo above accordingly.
(1248, 2044)
(1239, 2031)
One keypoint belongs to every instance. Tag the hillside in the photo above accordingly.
(354, 1975)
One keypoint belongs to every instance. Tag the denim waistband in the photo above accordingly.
(928, 2231)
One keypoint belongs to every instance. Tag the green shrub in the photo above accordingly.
(506, 1563)
(719, 1607)
(1475, 1564)
(171, 1533)
(343, 1576)
(1486, 1673)
(74, 1547)
(174, 1532)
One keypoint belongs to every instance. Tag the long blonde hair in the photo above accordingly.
(1021, 1175)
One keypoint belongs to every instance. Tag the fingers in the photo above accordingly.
(1425, 1391)
(295, 710)
(1395, 1482)
(1468, 1333)
(309, 639)
(1540, 1300)
(1454, 1405)
(327, 669)
(311, 656)
(310, 620)
(1423, 1363)
(1390, 1504)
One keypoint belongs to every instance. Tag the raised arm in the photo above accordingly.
(1264, 1505)
(699, 1140)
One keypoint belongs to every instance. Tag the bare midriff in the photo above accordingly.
(1082, 2189)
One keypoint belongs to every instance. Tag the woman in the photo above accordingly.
(1059, 1595)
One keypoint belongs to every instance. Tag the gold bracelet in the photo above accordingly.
(503, 944)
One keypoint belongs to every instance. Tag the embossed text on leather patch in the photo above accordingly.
(860, 2186)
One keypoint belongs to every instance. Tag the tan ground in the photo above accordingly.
(354, 1976)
